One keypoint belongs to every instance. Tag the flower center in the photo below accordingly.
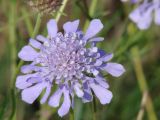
(64, 55)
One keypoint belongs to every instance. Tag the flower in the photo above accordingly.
(70, 62)
(143, 15)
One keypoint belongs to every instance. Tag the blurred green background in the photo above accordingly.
(136, 94)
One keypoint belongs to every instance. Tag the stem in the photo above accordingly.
(143, 104)
(61, 10)
(37, 26)
(71, 115)
(94, 108)
(12, 42)
(27, 21)
(142, 83)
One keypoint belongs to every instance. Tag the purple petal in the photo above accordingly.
(157, 16)
(87, 97)
(114, 69)
(142, 16)
(41, 38)
(102, 94)
(106, 57)
(134, 1)
(97, 39)
(21, 81)
(145, 22)
(101, 81)
(95, 72)
(30, 68)
(27, 69)
(71, 26)
(46, 95)
(64, 109)
(52, 28)
(28, 53)
(55, 98)
(29, 95)
(94, 28)
(34, 80)
(35, 43)
(135, 15)
(101, 52)
(78, 90)
(85, 85)
(98, 62)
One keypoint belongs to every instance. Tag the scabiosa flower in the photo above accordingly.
(70, 62)
(143, 15)
(45, 6)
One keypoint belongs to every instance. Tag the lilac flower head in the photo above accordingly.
(143, 15)
(71, 62)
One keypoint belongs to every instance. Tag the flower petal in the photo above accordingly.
(144, 23)
(98, 62)
(135, 15)
(97, 39)
(101, 52)
(52, 28)
(64, 109)
(41, 38)
(30, 68)
(35, 43)
(27, 53)
(21, 81)
(102, 94)
(71, 26)
(114, 69)
(29, 95)
(34, 80)
(101, 81)
(46, 95)
(87, 97)
(27, 69)
(106, 57)
(157, 16)
(78, 90)
(55, 98)
(142, 16)
(94, 71)
(94, 28)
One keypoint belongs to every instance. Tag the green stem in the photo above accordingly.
(27, 21)
(12, 42)
(37, 26)
(94, 108)
(61, 10)
(143, 104)
(71, 115)
(143, 83)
